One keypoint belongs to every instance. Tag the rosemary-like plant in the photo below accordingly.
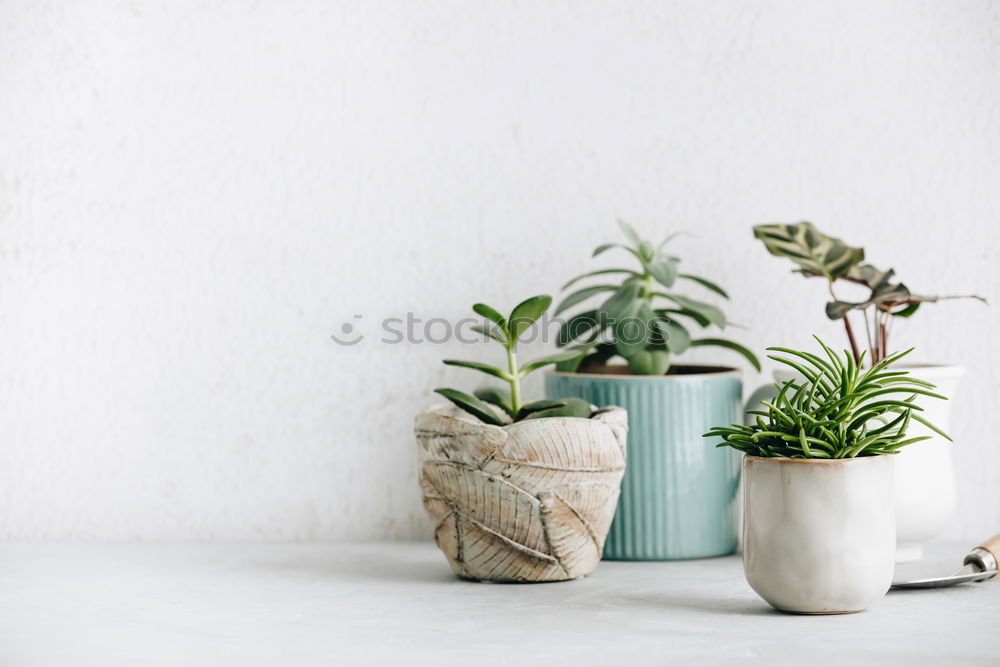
(837, 409)
(507, 331)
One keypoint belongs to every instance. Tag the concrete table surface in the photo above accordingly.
(398, 604)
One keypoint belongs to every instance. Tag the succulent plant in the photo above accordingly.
(643, 318)
(507, 331)
(835, 410)
(821, 256)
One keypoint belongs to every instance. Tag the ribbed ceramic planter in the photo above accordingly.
(679, 491)
(529, 501)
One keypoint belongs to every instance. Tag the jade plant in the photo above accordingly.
(835, 410)
(643, 318)
(507, 331)
(820, 256)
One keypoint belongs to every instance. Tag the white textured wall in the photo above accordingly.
(193, 196)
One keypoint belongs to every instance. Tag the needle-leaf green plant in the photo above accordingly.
(643, 318)
(507, 331)
(835, 410)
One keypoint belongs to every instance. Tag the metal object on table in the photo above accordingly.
(980, 565)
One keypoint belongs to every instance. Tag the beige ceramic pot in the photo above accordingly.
(529, 501)
(819, 536)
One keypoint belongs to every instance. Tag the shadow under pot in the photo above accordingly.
(819, 535)
(678, 497)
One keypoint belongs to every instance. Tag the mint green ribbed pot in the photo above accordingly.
(679, 491)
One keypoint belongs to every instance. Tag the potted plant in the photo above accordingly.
(677, 499)
(819, 528)
(924, 495)
(519, 491)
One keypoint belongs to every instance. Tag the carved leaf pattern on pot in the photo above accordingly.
(530, 501)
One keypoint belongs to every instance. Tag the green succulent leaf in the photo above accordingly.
(582, 295)
(709, 312)
(491, 314)
(651, 361)
(730, 345)
(602, 272)
(630, 234)
(496, 396)
(476, 366)
(702, 321)
(527, 313)
(565, 355)
(705, 283)
(814, 252)
(675, 336)
(582, 326)
(471, 404)
(491, 332)
(665, 270)
(622, 303)
(535, 406)
(574, 407)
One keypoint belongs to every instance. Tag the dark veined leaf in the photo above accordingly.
(651, 361)
(728, 344)
(490, 332)
(664, 269)
(491, 314)
(482, 368)
(535, 406)
(585, 326)
(471, 404)
(496, 396)
(527, 313)
(565, 355)
(706, 310)
(582, 295)
(574, 407)
(597, 273)
(705, 283)
(816, 253)
(630, 234)
(622, 303)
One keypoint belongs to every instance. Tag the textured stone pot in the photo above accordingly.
(679, 495)
(819, 535)
(529, 501)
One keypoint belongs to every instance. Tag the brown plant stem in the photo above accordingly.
(847, 328)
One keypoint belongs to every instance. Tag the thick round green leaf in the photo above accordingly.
(676, 337)
(527, 313)
(497, 396)
(535, 406)
(651, 361)
(622, 303)
(482, 368)
(664, 269)
(630, 234)
(491, 314)
(574, 407)
(471, 404)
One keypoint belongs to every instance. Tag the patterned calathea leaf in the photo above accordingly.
(816, 253)
(885, 294)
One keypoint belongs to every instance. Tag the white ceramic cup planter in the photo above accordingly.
(819, 535)
(924, 477)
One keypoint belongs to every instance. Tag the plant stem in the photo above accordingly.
(848, 329)
(515, 380)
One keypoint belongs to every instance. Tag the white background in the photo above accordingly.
(194, 196)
